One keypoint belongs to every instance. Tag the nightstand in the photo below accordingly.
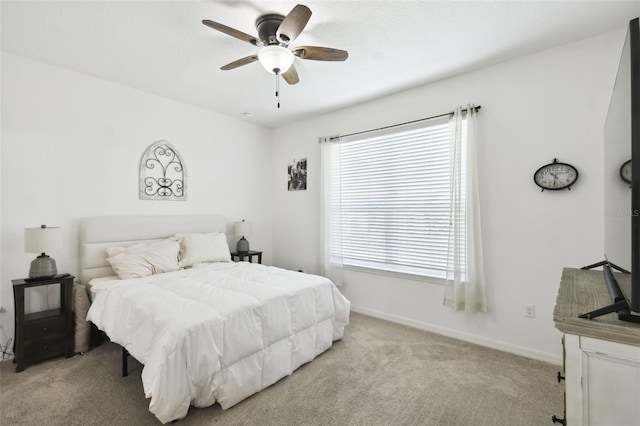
(45, 334)
(247, 254)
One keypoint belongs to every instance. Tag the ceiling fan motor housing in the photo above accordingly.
(267, 25)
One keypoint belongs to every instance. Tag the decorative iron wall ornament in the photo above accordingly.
(162, 173)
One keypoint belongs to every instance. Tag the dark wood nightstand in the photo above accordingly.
(44, 334)
(247, 254)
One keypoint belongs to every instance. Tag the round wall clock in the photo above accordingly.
(625, 171)
(555, 176)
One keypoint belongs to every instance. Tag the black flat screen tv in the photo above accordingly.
(622, 187)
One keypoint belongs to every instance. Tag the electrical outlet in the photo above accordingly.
(530, 311)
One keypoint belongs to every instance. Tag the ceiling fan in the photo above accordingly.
(275, 33)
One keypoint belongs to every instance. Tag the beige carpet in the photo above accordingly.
(381, 373)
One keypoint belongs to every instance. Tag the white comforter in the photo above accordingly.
(220, 332)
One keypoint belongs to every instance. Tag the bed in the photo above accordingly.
(207, 330)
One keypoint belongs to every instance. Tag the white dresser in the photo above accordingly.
(601, 356)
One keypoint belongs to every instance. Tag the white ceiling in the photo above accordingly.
(161, 47)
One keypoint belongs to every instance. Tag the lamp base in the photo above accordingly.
(243, 245)
(43, 267)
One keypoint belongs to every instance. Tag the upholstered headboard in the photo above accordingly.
(98, 233)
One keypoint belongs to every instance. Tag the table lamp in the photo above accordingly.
(242, 228)
(41, 240)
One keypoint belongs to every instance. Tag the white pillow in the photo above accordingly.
(93, 281)
(197, 248)
(143, 259)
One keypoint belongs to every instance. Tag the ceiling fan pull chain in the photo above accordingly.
(278, 89)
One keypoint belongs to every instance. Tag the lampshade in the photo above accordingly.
(276, 59)
(41, 240)
(242, 228)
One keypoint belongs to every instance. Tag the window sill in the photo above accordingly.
(403, 275)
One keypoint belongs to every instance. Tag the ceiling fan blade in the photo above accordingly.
(291, 76)
(316, 53)
(232, 32)
(240, 62)
(293, 24)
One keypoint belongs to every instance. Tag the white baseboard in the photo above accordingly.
(467, 337)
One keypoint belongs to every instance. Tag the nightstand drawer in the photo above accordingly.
(44, 328)
(45, 348)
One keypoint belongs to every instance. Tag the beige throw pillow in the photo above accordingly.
(143, 259)
(198, 248)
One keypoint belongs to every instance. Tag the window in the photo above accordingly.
(391, 190)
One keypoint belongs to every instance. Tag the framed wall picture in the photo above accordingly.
(297, 175)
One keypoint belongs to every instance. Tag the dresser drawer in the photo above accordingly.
(45, 348)
(44, 328)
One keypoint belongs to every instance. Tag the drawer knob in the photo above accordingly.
(45, 329)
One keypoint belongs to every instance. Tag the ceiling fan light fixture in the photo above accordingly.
(276, 59)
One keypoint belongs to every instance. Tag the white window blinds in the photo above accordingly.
(393, 192)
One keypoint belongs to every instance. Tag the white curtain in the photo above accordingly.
(465, 284)
(331, 211)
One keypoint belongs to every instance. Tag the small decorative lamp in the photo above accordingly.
(242, 228)
(41, 240)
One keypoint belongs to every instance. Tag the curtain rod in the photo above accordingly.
(400, 124)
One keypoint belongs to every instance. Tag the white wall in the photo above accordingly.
(71, 147)
(544, 106)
